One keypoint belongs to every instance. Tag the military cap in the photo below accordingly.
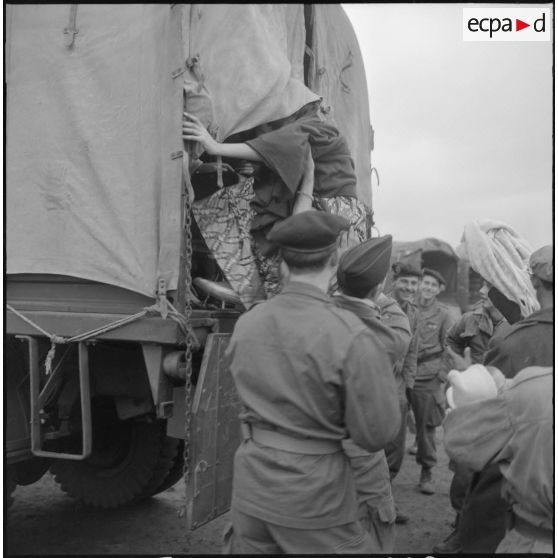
(402, 269)
(541, 263)
(433, 273)
(364, 266)
(308, 232)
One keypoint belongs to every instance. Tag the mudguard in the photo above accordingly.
(215, 436)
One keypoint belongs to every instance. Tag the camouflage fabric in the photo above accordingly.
(350, 208)
(353, 210)
(224, 219)
(268, 269)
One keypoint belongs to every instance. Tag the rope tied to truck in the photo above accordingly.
(169, 311)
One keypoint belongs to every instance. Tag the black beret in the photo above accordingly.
(365, 266)
(308, 232)
(433, 273)
(402, 269)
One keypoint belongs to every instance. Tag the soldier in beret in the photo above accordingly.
(406, 279)
(360, 276)
(308, 375)
(427, 396)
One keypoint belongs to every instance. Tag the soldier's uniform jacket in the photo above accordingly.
(406, 365)
(371, 471)
(409, 363)
(308, 370)
(515, 430)
(374, 494)
(434, 323)
(388, 322)
(529, 342)
(474, 330)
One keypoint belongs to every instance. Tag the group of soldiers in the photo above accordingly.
(327, 371)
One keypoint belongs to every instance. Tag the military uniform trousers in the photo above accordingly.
(376, 509)
(252, 535)
(379, 522)
(428, 402)
(482, 523)
(460, 484)
(395, 450)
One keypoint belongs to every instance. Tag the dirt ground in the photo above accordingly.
(43, 520)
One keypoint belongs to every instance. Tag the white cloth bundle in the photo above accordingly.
(501, 257)
(476, 383)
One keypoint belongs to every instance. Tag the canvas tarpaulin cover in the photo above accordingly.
(404, 250)
(247, 69)
(337, 75)
(92, 190)
(246, 64)
(246, 82)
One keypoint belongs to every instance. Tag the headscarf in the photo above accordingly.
(501, 257)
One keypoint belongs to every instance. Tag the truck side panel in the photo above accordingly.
(93, 126)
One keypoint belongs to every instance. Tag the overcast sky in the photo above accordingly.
(463, 130)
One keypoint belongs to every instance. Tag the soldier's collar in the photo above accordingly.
(301, 287)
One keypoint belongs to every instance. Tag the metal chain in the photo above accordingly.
(190, 333)
(187, 225)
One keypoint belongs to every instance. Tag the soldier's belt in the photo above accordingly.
(426, 358)
(284, 442)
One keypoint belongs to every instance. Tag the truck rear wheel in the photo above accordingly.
(176, 471)
(163, 469)
(30, 470)
(126, 457)
(10, 484)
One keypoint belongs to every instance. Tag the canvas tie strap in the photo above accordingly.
(59, 340)
(71, 31)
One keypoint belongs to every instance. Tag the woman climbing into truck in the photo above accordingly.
(297, 164)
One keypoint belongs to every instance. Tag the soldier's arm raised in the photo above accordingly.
(454, 340)
(393, 317)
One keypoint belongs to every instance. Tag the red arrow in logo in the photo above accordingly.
(519, 25)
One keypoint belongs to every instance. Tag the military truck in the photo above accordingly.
(113, 354)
